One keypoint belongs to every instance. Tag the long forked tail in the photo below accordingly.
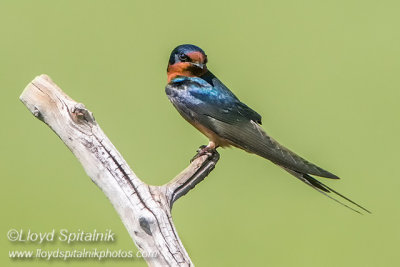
(324, 189)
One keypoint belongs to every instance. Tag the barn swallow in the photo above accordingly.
(206, 103)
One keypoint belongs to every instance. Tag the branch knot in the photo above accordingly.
(82, 114)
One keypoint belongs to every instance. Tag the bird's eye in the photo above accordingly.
(182, 57)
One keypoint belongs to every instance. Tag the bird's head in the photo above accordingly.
(186, 60)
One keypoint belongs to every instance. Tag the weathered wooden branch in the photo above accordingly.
(145, 210)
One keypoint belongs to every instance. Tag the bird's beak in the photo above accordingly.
(198, 64)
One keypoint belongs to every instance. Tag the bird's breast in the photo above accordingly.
(211, 135)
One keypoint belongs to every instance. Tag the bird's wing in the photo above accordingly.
(249, 136)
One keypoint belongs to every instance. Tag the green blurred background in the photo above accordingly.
(324, 75)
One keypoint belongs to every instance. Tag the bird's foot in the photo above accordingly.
(203, 150)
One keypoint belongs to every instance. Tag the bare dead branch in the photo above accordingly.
(145, 210)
